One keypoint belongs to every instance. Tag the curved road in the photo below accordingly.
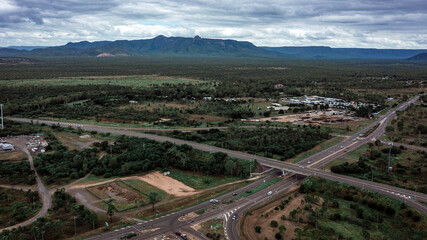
(43, 193)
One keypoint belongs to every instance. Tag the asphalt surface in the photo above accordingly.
(306, 167)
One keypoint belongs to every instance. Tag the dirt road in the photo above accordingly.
(43, 193)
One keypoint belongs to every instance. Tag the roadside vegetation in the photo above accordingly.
(410, 127)
(322, 209)
(59, 223)
(408, 166)
(17, 206)
(281, 143)
(16, 173)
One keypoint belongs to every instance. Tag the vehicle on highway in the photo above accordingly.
(213, 200)
(269, 193)
(234, 194)
(308, 162)
(234, 217)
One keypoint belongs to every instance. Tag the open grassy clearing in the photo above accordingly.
(13, 156)
(342, 128)
(320, 147)
(129, 81)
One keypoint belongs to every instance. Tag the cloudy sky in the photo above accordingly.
(335, 23)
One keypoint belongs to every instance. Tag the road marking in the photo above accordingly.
(331, 154)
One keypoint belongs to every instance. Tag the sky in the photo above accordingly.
(335, 23)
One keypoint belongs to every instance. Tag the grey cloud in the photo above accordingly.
(363, 23)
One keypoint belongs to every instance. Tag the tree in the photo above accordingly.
(278, 236)
(298, 231)
(258, 229)
(111, 209)
(282, 228)
(274, 223)
(152, 196)
(230, 167)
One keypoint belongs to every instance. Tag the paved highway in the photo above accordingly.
(307, 166)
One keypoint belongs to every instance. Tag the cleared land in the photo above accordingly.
(13, 156)
(129, 81)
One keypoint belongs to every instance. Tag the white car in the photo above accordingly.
(269, 193)
(214, 200)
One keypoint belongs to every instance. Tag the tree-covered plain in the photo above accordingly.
(59, 223)
(283, 143)
(348, 212)
(131, 155)
(408, 167)
(103, 100)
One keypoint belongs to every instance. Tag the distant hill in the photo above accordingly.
(203, 47)
(158, 46)
(345, 53)
(26, 47)
(422, 57)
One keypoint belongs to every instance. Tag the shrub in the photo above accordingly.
(258, 229)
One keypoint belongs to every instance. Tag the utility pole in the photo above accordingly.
(1, 107)
(75, 229)
(389, 153)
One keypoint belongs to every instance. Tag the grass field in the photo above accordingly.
(13, 156)
(320, 147)
(130, 81)
(199, 181)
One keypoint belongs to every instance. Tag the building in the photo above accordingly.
(6, 147)
(278, 85)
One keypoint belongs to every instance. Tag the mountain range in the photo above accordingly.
(203, 47)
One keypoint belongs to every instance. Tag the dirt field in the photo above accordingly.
(73, 141)
(314, 118)
(13, 156)
(157, 179)
(264, 215)
(205, 118)
(168, 184)
(120, 193)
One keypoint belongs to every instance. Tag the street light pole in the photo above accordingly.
(75, 229)
(389, 153)
(1, 109)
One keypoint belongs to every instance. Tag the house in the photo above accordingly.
(6, 147)
(43, 143)
(278, 85)
(207, 98)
